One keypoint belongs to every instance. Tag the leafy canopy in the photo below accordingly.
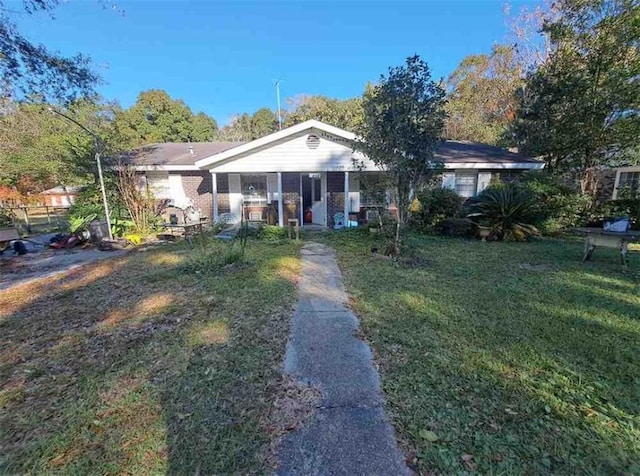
(581, 108)
(31, 70)
(481, 100)
(156, 117)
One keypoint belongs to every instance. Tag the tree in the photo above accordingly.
(28, 69)
(482, 97)
(346, 114)
(238, 129)
(263, 122)
(245, 127)
(39, 149)
(204, 128)
(581, 109)
(156, 117)
(401, 128)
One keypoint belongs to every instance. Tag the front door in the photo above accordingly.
(313, 193)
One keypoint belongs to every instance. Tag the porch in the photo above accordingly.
(316, 199)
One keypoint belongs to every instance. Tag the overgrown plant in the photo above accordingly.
(143, 208)
(507, 211)
(402, 125)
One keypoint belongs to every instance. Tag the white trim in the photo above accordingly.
(280, 200)
(616, 184)
(347, 205)
(489, 165)
(214, 189)
(164, 168)
(276, 136)
(631, 168)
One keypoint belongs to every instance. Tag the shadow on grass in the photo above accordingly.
(519, 369)
(133, 366)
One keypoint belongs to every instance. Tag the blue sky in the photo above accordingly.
(223, 57)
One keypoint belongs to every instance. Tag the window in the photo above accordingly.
(254, 189)
(628, 185)
(158, 184)
(466, 184)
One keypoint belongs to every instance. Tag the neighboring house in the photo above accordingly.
(626, 177)
(307, 171)
(60, 196)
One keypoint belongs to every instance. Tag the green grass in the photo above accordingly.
(521, 359)
(146, 365)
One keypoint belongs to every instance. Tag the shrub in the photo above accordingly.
(437, 204)
(458, 227)
(272, 233)
(507, 210)
(209, 261)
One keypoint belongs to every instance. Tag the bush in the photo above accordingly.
(629, 207)
(458, 227)
(272, 233)
(508, 210)
(210, 261)
(437, 204)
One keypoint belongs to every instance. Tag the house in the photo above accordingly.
(60, 196)
(308, 171)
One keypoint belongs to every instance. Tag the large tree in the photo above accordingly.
(346, 113)
(482, 97)
(245, 127)
(31, 70)
(581, 108)
(39, 149)
(157, 117)
(401, 128)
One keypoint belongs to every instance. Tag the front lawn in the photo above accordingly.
(142, 364)
(504, 358)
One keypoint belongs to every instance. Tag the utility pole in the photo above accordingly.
(96, 145)
(278, 97)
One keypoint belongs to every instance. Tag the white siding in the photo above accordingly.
(272, 187)
(484, 179)
(235, 195)
(177, 191)
(449, 180)
(293, 155)
(354, 192)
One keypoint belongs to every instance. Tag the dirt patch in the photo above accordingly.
(294, 405)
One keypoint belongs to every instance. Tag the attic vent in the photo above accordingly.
(313, 141)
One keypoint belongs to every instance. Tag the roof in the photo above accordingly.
(63, 190)
(176, 153)
(467, 152)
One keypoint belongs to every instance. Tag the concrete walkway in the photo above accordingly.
(349, 432)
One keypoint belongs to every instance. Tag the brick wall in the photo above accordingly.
(199, 188)
(224, 206)
(335, 195)
(291, 195)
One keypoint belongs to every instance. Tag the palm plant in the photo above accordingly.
(506, 211)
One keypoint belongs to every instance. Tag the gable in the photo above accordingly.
(311, 150)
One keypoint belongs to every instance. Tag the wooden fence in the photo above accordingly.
(37, 219)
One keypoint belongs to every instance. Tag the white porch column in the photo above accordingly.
(347, 201)
(214, 189)
(280, 201)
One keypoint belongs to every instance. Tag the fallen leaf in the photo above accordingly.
(466, 458)
(428, 435)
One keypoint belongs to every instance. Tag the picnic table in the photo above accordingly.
(620, 240)
(189, 230)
